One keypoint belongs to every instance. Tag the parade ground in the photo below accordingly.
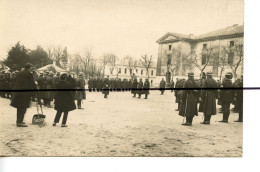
(120, 126)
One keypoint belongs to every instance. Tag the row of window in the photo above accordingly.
(136, 71)
(231, 44)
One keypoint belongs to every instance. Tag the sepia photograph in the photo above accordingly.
(121, 78)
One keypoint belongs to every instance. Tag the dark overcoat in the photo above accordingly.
(134, 86)
(162, 85)
(178, 93)
(146, 87)
(209, 96)
(189, 99)
(64, 100)
(50, 85)
(140, 87)
(105, 87)
(227, 96)
(24, 81)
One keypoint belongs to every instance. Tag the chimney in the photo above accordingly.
(191, 36)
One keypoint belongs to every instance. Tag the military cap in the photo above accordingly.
(209, 73)
(228, 75)
(190, 74)
(17, 71)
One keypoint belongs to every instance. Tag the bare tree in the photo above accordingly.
(75, 63)
(85, 59)
(147, 63)
(131, 64)
(222, 61)
(202, 60)
(104, 61)
(111, 60)
(236, 56)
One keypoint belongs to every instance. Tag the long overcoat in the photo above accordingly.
(24, 81)
(146, 87)
(208, 96)
(162, 85)
(140, 87)
(105, 87)
(50, 85)
(227, 96)
(64, 100)
(134, 86)
(189, 99)
(80, 94)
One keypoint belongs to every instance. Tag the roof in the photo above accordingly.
(58, 69)
(231, 30)
(228, 31)
(138, 63)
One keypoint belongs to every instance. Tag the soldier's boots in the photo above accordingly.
(145, 96)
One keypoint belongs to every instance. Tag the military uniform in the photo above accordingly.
(162, 86)
(146, 88)
(208, 98)
(80, 94)
(239, 100)
(140, 88)
(134, 87)
(105, 87)
(189, 100)
(226, 97)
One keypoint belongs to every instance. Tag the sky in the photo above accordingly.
(123, 27)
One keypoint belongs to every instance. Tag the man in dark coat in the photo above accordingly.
(226, 97)
(8, 85)
(189, 99)
(21, 100)
(105, 87)
(146, 88)
(72, 82)
(50, 86)
(140, 88)
(239, 100)
(64, 100)
(90, 84)
(134, 87)
(162, 86)
(208, 98)
(178, 93)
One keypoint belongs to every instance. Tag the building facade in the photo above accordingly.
(179, 54)
(123, 70)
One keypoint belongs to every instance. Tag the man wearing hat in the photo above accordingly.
(226, 97)
(50, 86)
(189, 100)
(21, 99)
(208, 98)
(2, 78)
(162, 86)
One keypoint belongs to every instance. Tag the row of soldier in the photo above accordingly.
(198, 91)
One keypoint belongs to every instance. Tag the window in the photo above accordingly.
(203, 59)
(230, 58)
(136, 70)
(152, 72)
(125, 70)
(131, 71)
(142, 71)
(232, 43)
(170, 47)
(119, 71)
(204, 46)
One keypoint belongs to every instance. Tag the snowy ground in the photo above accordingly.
(120, 126)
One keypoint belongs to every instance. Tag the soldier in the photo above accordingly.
(94, 84)
(146, 88)
(57, 78)
(46, 75)
(134, 87)
(90, 84)
(80, 94)
(98, 84)
(172, 85)
(239, 99)
(226, 97)
(201, 81)
(41, 86)
(140, 88)
(72, 82)
(50, 85)
(14, 74)
(162, 86)
(189, 99)
(105, 87)
(208, 98)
